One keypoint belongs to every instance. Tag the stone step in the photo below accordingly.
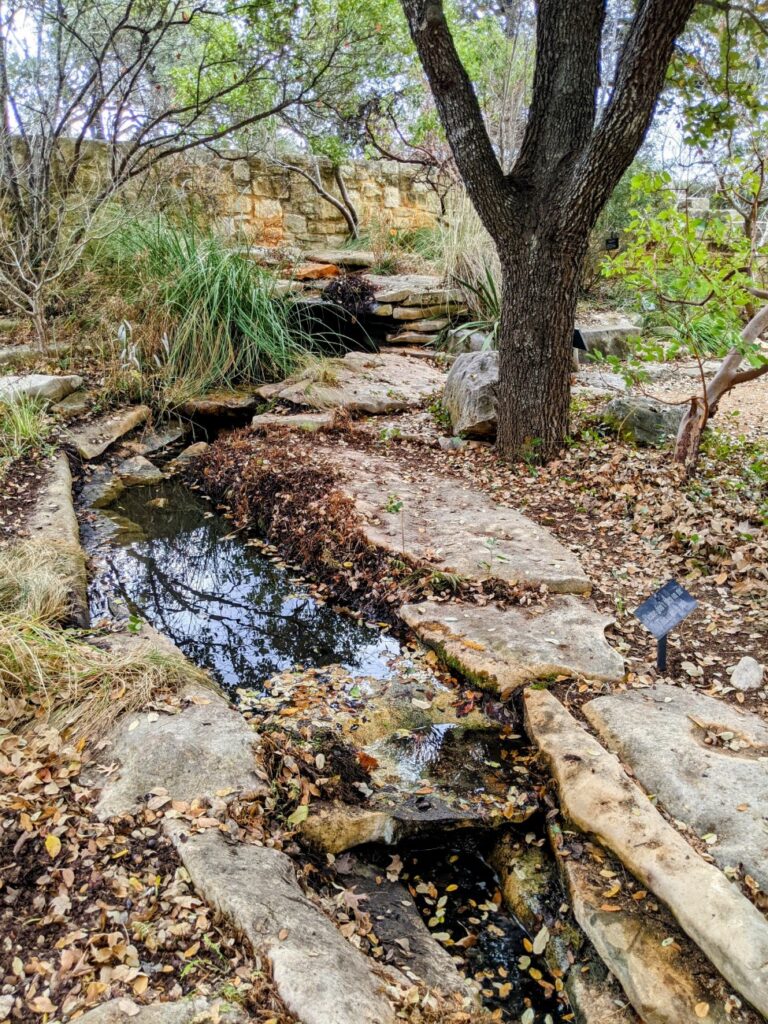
(597, 795)
(429, 518)
(352, 259)
(92, 439)
(310, 421)
(504, 648)
(411, 338)
(719, 789)
(442, 307)
(222, 404)
(361, 382)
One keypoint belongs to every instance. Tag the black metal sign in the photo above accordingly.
(663, 611)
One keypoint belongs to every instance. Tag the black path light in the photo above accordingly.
(662, 612)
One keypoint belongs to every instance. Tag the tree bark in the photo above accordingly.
(540, 283)
(540, 214)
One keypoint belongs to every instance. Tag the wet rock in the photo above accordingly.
(362, 382)
(503, 648)
(747, 674)
(528, 879)
(92, 439)
(300, 421)
(222, 405)
(102, 488)
(53, 525)
(598, 796)
(138, 472)
(184, 1011)
(320, 977)
(204, 750)
(645, 421)
(41, 386)
(719, 789)
(595, 995)
(437, 520)
(401, 930)
(655, 974)
(471, 392)
(187, 456)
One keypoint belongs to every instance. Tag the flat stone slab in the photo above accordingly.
(352, 258)
(221, 404)
(92, 439)
(204, 751)
(102, 488)
(187, 456)
(74, 405)
(413, 290)
(719, 789)
(598, 796)
(53, 526)
(183, 1011)
(504, 648)
(310, 421)
(373, 384)
(320, 977)
(656, 975)
(40, 386)
(157, 440)
(439, 520)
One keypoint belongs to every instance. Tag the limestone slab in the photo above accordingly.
(102, 488)
(198, 1010)
(435, 519)
(188, 456)
(53, 525)
(204, 750)
(503, 648)
(398, 288)
(41, 386)
(354, 259)
(320, 977)
(220, 405)
(598, 796)
(716, 790)
(655, 976)
(92, 439)
(362, 382)
(300, 421)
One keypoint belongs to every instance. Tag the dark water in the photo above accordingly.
(226, 605)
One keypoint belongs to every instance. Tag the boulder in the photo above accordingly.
(747, 674)
(609, 339)
(41, 386)
(471, 392)
(139, 472)
(645, 421)
(461, 339)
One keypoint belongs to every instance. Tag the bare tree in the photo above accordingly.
(93, 95)
(540, 213)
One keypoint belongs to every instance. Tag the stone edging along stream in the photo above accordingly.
(207, 750)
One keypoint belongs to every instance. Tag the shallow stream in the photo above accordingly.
(161, 554)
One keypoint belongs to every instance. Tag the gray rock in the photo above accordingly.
(138, 472)
(660, 733)
(102, 489)
(203, 751)
(596, 381)
(92, 439)
(471, 393)
(74, 405)
(609, 339)
(460, 340)
(645, 421)
(222, 405)
(747, 674)
(158, 440)
(503, 648)
(41, 386)
(188, 456)
(320, 977)
(184, 1011)
(309, 421)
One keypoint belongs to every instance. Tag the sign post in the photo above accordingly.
(661, 612)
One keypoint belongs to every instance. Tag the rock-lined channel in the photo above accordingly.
(161, 554)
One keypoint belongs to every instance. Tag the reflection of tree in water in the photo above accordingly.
(227, 607)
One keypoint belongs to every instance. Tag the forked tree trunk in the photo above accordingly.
(540, 282)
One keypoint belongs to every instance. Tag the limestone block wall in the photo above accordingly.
(271, 205)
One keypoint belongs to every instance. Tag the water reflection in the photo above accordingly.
(222, 602)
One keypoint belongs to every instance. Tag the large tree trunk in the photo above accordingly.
(540, 282)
